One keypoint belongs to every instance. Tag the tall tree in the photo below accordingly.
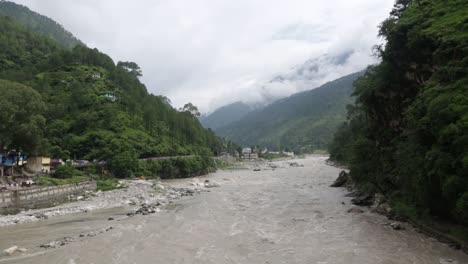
(21, 119)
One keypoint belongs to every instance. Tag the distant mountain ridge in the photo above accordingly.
(226, 115)
(303, 121)
(39, 24)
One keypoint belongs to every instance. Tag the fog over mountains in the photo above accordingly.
(311, 74)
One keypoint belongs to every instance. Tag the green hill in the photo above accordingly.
(302, 122)
(39, 24)
(89, 107)
(407, 135)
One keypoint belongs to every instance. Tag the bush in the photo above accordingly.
(179, 167)
(107, 184)
(124, 164)
(66, 172)
(49, 181)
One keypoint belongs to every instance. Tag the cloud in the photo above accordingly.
(214, 52)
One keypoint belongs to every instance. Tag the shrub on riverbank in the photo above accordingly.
(65, 172)
(50, 181)
(107, 184)
(179, 167)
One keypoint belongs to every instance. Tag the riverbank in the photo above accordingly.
(137, 193)
(453, 235)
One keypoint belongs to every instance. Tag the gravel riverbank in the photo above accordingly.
(138, 193)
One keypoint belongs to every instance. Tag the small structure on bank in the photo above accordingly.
(8, 160)
(248, 154)
(38, 164)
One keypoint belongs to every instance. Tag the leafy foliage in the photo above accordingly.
(407, 134)
(179, 167)
(21, 120)
(66, 171)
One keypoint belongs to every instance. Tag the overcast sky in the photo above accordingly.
(214, 52)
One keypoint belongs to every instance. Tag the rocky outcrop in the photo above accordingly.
(342, 180)
(363, 200)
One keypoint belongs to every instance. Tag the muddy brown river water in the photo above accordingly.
(287, 215)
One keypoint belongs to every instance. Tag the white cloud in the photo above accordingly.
(213, 52)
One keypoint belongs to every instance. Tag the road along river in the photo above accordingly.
(285, 215)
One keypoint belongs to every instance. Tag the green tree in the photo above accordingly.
(21, 119)
(191, 109)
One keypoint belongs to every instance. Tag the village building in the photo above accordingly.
(110, 96)
(38, 164)
(54, 163)
(95, 75)
(81, 164)
(8, 160)
(248, 154)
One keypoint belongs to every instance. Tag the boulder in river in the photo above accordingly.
(11, 250)
(383, 209)
(342, 179)
(363, 200)
(396, 226)
(295, 164)
(355, 210)
(209, 184)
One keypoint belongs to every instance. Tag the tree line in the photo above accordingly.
(407, 133)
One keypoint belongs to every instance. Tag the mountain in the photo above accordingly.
(78, 103)
(226, 115)
(313, 72)
(303, 121)
(39, 24)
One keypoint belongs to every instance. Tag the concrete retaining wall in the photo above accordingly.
(14, 201)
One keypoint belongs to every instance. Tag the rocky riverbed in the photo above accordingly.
(279, 212)
(137, 193)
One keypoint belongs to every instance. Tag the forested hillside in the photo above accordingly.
(407, 135)
(302, 122)
(77, 103)
(226, 115)
(39, 24)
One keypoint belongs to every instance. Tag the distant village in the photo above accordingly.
(257, 153)
(18, 170)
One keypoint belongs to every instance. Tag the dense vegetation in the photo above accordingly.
(407, 134)
(303, 122)
(77, 103)
(39, 24)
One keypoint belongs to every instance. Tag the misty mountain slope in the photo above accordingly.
(312, 73)
(226, 115)
(305, 120)
(39, 24)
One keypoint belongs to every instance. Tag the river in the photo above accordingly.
(286, 215)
